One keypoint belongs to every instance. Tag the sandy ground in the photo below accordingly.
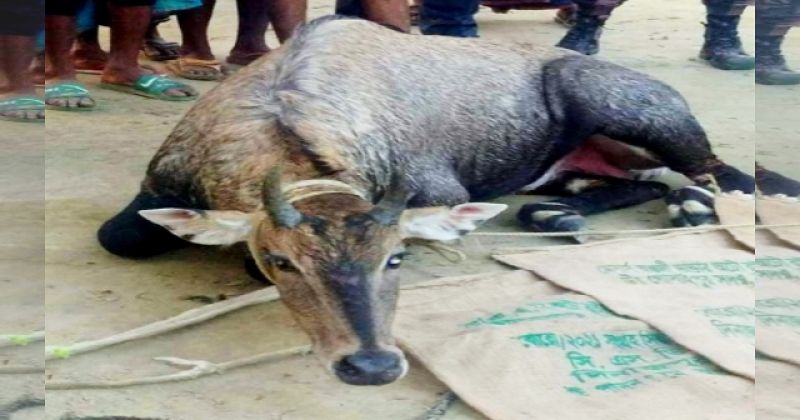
(92, 164)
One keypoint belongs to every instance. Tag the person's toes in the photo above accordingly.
(30, 114)
(187, 91)
(86, 102)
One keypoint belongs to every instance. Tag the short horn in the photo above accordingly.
(388, 210)
(279, 209)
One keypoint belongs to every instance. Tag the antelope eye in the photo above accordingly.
(281, 263)
(394, 261)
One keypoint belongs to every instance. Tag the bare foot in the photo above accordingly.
(88, 57)
(37, 69)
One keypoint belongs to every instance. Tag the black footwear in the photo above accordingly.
(723, 48)
(770, 65)
(584, 35)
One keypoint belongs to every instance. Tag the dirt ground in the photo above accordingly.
(90, 164)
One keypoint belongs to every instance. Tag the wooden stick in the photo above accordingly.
(196, 369)
(184, 319)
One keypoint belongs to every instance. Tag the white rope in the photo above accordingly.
(7, 340)
(196, 369)
(633, 231)
(184, 319)
(302, 190)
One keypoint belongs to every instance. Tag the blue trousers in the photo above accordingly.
(449, 17)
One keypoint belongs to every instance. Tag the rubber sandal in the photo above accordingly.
(66, 90)
(152, 86)
(21, 103)
(160, 50)
(196, 69)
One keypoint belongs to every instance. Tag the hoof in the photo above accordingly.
(551, 217)
(691, 206)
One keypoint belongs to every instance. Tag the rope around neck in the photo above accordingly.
(302, 190)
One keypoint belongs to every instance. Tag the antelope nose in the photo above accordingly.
(369, 367)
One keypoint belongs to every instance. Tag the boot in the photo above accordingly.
(770, 65)
(584, 35)
(723, 48)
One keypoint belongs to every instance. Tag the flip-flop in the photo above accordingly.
(160, 50)
(21, 103)
(195, 69)
(67, 90)
(152, 86)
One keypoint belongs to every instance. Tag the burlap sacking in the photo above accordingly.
(515, 347)
(781, 211)
(777, 390)
(778, 302)
(738, 209)
(691, 287)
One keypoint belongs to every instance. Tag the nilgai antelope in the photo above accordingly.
(326, 155)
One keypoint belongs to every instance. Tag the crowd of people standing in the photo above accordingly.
(48, 43)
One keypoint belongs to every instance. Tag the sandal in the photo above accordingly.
(195, 69)
(21, 103)
(67, 90)
(160, 50)
(153, 86)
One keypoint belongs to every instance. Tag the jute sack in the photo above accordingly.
(518, 348)
(781, 211)
(738, 209)
(778, 302)
(777, 390)
(697, 291)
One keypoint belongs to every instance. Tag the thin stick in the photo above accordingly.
(8, 340)
(12, 370)
(184, 319)
(439, 409)
(196, 369)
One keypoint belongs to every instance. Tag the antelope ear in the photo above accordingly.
(201, 226)
(445, 224)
